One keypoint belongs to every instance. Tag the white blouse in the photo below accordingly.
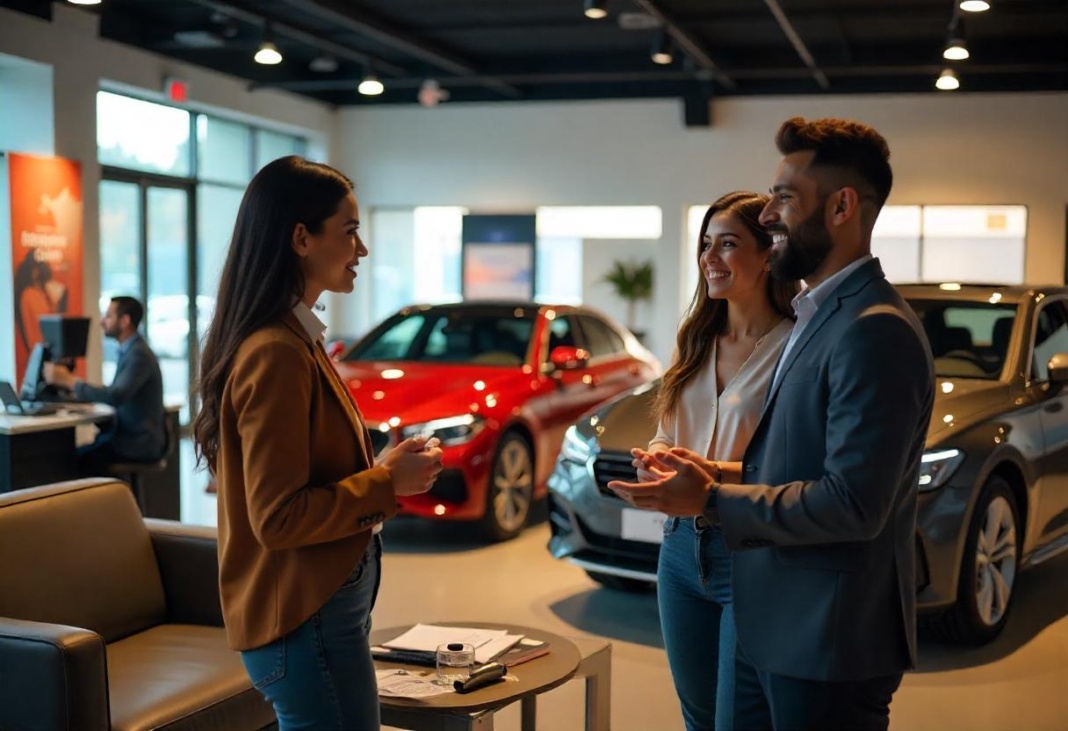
(720, 426)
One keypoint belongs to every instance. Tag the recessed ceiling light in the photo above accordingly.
(974, 6)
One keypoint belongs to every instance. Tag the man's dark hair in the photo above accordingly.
(856, 152)
(130, 307)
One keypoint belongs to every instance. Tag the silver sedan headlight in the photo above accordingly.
(937, 466)
(575, 448)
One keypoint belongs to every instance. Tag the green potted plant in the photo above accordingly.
(632, 282)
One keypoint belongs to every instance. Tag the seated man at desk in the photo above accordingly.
(136, 393)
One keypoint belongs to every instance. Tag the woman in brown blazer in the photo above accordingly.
(301, 498)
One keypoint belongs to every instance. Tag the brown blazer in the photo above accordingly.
(298, 492)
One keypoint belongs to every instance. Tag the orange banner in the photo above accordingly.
(46, 245)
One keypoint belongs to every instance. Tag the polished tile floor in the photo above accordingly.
(436, 572)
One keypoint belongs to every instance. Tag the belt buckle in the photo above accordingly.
(700, 522)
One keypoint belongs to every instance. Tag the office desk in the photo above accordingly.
(40, 450)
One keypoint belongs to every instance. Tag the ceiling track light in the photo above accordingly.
(948, 81)
(662, 52)
(596, 9)
(371, 86)
(974, 6)
(956, 50)
(268, 53)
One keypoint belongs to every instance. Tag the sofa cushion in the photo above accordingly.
(181, 676)
(79, 554)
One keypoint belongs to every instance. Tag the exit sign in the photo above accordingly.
(176, 90)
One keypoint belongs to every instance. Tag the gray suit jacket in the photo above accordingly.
(137, 395)
(824, 528)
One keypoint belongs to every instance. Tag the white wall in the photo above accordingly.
(946, 148)
(81, 63)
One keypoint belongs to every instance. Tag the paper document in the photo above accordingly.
(487, 652)
(401, 684)
(428, 637)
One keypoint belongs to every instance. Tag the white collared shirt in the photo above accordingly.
(808, 302)
(308, 320)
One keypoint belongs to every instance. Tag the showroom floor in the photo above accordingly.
(436, 572)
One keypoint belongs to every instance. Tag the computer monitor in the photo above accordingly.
(67, 337)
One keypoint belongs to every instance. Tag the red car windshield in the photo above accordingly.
(456, 336)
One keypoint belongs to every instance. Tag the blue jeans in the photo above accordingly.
(694, 594)
(320, 675)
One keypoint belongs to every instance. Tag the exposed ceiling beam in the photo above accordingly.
(689, 45)
(788, 73)
(347, 16)
(798, 44)
(249, 13)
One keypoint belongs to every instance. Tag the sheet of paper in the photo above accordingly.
(428, 637)
(495, 647)
(403, 685)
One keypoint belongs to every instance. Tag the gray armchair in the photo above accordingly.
(110, 621)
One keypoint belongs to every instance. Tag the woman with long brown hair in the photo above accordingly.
(300, 496)
(710, 401)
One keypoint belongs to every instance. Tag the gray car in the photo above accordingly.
(994, 485)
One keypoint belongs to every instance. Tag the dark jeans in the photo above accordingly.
(766, 701)
(320, 675)
(696, 618)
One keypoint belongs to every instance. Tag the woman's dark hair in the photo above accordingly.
(262, 274)
(706, 318)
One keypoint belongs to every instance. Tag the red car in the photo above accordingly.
(498, 383)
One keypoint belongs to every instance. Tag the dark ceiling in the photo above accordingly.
(505, 50)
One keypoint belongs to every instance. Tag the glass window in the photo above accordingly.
(140, 135)
(216, 214)
(120, 253)
(224, 150)
(968, 339)
(896, 241)
(600, 222)
(974, 243)
(400, 237)
(1051, 338)
(601, 340)
(558, 270)
(273, 145)
(168, 304)
(562, 334)
(455, 337)
(491, 340)
(393, 342)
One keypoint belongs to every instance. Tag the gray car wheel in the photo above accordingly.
(988, 570)
(511, 489)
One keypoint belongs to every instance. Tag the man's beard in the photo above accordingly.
(806, 248)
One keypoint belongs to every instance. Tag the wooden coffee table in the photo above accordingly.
(475, 710)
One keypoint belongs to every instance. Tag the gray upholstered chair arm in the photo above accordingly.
(189, 567)
(52, 676)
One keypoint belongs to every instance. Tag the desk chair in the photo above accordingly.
(134, 471)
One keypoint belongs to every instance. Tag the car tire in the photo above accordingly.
(510, 493)
(621, 583)
(988, 572)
